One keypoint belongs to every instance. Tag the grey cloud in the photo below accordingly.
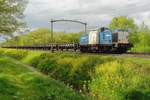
(112, 10)
(95, 12)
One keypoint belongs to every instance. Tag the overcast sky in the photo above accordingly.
(96, 13)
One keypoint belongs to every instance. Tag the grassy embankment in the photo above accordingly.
(101, 76)
(20, 83)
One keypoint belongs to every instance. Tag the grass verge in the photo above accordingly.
(20, 83)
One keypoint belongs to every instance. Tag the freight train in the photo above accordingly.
(101, 40)
(105, 40)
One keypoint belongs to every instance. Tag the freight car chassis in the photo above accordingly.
(51, 47)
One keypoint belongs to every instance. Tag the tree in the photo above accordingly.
(122, 22)
(140, 39)
(11, 11)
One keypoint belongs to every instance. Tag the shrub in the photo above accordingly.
(47, 65)
(116, 80)
(16, 54)
(63, 69)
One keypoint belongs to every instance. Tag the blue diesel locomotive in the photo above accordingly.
(96, 41)
(104, 40)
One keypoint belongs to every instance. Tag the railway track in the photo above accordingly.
(71, 48)
(139, 53)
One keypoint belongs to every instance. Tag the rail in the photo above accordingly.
(66, 47)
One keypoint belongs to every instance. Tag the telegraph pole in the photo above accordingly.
(85, 28)
(52, 40)
(52, 30)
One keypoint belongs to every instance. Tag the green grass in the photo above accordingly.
(140, 48)
(141, 61)
(19, 83)
(103, 77)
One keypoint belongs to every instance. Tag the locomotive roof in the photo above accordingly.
(120, 30)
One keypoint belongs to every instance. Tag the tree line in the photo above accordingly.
(42, 36)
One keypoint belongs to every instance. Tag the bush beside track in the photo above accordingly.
(103, 77)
